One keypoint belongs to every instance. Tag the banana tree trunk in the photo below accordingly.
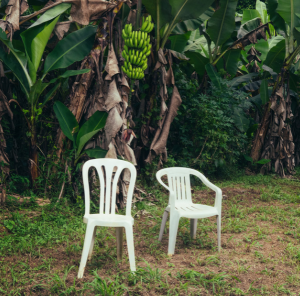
(260, 135)
(33, 158)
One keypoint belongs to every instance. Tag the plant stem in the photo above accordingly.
(157, 25)
(138, 14)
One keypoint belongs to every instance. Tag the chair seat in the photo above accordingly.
(191, 210)
(109, 220)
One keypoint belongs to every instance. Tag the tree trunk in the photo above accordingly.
(33, 158)
(260, 135)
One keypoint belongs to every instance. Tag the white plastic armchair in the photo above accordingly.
(181, 204)
(107, 215)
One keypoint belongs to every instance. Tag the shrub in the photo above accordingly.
(204, 134)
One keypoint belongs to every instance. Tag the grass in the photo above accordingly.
(40, 247)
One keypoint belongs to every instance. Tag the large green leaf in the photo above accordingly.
(276, 56)
(240, 120)
(97, 152)
(198, 60)
(213, 75)
(36, 37)
(95, 123)
(262, 9)
(263, 47)
(277, 21)
(70, 73)
(16, 61)
(178, 42)
(199, 45)
(35, 91)
(275, 40)
(183, 10)
(66, 119)
(249, 14)
(163, 8)
(193, 24)
(248, 26)
(235, 82)
(71, 49)
(222, 23)
(50, 94)
(264, 92)
(230, 61)
(287, 9)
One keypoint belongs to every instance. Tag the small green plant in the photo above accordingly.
(80, 136)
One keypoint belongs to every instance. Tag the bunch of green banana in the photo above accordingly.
(136, 49)
(147, 25)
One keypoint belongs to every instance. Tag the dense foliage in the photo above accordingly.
(204, 135)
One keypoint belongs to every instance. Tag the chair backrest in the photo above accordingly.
(109, 171)
(178, 181)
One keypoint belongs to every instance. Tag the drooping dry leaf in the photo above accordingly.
(159, 146)
(111, 153)
(113, 124)
(14, 9)
(113, 96)
(111, 66)
(62, 28)
(83, 11)
(279, 145)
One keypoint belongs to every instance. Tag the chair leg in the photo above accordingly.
(193, 228)
(219, 232)
(119, 236)
(130, 246)
(163, 225)
(92, 244)
(86, 248)
(174, 221)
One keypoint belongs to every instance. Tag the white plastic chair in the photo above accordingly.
(181, 204)
(107, 215)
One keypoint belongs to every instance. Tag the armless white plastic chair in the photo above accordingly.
(181, 204)
(107, 216)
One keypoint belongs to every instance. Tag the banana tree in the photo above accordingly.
(285, 16)
(26, 66)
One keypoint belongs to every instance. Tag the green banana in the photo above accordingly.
(144, 67)
(151, 28)
(149, 47)
(126, 49)
(141, 43)
(144, 25)
(145, 49)
(124, 35)
(148, 52)
(148, 27)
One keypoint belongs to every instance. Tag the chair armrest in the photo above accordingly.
(218, 199)
(172, 196)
